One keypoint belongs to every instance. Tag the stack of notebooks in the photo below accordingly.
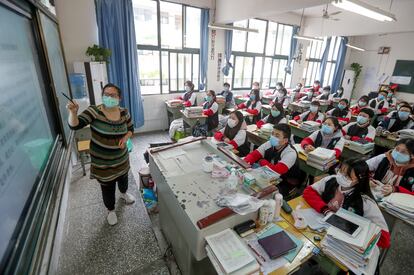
(310, 126)
(264, 176)
(400, 205)
(229, 255)
(193, 111)
(220, 99)
(359, 253)
(266, 131)
(406, 133)
(361, 146)
(321, 158)
(175, 102)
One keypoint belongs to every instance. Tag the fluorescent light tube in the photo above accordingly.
(230, 28)
(302, 37)
(364, 9)
(356, 48)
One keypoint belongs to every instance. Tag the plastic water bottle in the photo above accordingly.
(278, 205)
(232, 180)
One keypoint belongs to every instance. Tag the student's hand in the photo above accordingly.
(123, 141)
(72, 107)
(226, 140)
(334, 206)
(387, 189)
(347, 137)
(309, 148)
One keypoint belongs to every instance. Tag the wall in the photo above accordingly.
(375, 65)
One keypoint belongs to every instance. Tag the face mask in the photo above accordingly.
(274, 141)
(252, 97)
(343, 181)
(187, 89)
(400, 157)
(362, 103)
(110, 102)
(361, 120)
(380, 98)
(313, 109)
(275, 113)
(327, 130)
(310, 94)
(390, 94)
(341, 107)
(403, 115)
(231, 122)
(208, 98)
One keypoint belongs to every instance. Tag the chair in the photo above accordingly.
(83, 150)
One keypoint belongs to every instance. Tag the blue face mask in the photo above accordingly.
(403, 115)
(341, 107)
(110, 102)
(380, 98)
(313, 109)
(208, 98)
(274, 141)
(327, 130)
(362, 103)
(400, 157)
(361, 120)
(252, 97)
(275, 113)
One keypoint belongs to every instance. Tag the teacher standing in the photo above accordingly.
(111, 127)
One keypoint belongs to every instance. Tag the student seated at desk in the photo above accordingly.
(280, 156)
(362, 104)
(253, 106)
(189, 98)
(281, 97)
(295, 93)
(348, 189)
(312, 115)
(235, 133)
(329, 136)
(276, 116)
(395, 168)
(338, 94)
(361, 129)
(341, 111)
(228, 95)
(379, 104)
(279, 87)
(397, 120)
(210, 109)
(317, 87)
(326, 92)
(310, 94)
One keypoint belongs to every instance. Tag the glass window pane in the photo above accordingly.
(326, 74)
(171, 25)
(287, 37)
(271, 38)
(149, 71)
(181, 76)
(196, 61)
(275, 69)
(255, 42)
(243, 72)
(281, 71)
(266, 73)
(336, 51)
(258, 62)
(173, 71)
(145, 16)
(229, 77)
(192, 27)
(247, 71)
(239, 37)
(165, 69)
(279, 39)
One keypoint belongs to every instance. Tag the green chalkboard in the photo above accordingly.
(405, 68)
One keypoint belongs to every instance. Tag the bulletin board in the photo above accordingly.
(403, 75)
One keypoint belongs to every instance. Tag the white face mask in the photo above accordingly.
(343, 181)
(231, 122)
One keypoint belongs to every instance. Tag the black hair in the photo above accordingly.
(299, 83)
(365, 98)
(226, 84)
(335, 122)
(284, 128)
(344, 100)
(284, 91)
(385, 92)
(327, 88)
(190, 84)
(368, 111)
(279, 107)
(256, 83)
(280, 84)
(315, 103)
(316, 81)
(341, 88)
(361, 170)
(256, 93)
(409, 143)
(406, 106)
(213, 94)
(110, 85)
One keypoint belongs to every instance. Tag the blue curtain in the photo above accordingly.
(337, 77)
(116, 30)
(324, 60)
(205, 18)
(227, 51)
(293, 45)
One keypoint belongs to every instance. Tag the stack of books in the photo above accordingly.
(175, 102)
(310, 126)
(358, 253)
(361, 146)
(193, 111)
(321, 158)
(400, 205)
(406, 133)
(220, 99)
(264, 176)
(229, 255)
(266, 131)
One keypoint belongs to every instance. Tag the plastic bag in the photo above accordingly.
(129, 145)
(240, 203)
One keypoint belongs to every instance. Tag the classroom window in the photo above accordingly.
(168, 45)
(260, 56)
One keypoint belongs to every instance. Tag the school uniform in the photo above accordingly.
(386, 171)
(253, 108)
(210, 109)
(379, 107)
(342, 115)
(356, 132)
(356, 109)
(237, 136)
(393, 123)
(284, 162)
(306, 98)
(392, 101)
(272, 120)
(318, 139)
(323, 96)
(337, 94)
(280, 98)
(308, 116)
(327, 191)
(228, 95)
(189, 99)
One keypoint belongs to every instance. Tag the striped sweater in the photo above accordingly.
(108, 161)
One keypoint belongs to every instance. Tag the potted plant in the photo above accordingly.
(98, 53)
(357, 68)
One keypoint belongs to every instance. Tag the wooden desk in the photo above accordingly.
(309, 170)
(192, 121)
(173, 112)
(349, 153)
(385, 142)
(253, 135)
(299, 132)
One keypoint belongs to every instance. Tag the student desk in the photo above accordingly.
(240, 100)
(173, 112)
(191, 121)
(299, 132)
(266, 99)
(244, 113)
(298, 107)
(386, 142)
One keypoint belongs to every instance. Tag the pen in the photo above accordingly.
(257, 253)
(68, 98)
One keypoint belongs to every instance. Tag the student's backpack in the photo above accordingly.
(200, 130)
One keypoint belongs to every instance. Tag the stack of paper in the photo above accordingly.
(175, 102)
(400, 205)
(229, 255)
(264, 176)
(360, 253)
(406, 133)
(301, 152)
(266, 130)
(310, 126)
(321, 158)
(361, 147)
(220, 99)
(193, 111)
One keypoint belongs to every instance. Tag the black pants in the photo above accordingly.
(108, 190)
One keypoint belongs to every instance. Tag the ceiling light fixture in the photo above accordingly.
(356, 48)
(310, 38)
(364, 9)
(230, 28)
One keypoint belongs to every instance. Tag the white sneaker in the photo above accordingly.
(111, 218)
(128, 198)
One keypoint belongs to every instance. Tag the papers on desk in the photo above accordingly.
(321, 158)
(266, 130)
(310, 126)
(406, 133)
(301, 152)
(360, 147)
(229, 254)
(400, 205)
(171, 153)
(193, 111)
(220, 99)
(175, 102)
(312, 218)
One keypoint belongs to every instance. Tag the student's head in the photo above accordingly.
(340, 90)
(235, 119)
(403, 152)
(111, 95)
(326, 89)
(402, 103)
(210, 96)
(255, 94)
(226, 86)
(404, 112)
(364, 117)
(256, 85)
(310, 92)
(363, 101)
(382, 95)
(314, 107)
(299, 85)
(280, 135)
(343, 104)
(277, 109)
(279, 85)
(283, 91)
(354, 173)
(188, 86)
(330, 126)
(316, 83)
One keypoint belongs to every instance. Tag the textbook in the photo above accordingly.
(361, 147)
(321, 158)
(400, 205)
(266, 130)
(193, 111)
(310, 126)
